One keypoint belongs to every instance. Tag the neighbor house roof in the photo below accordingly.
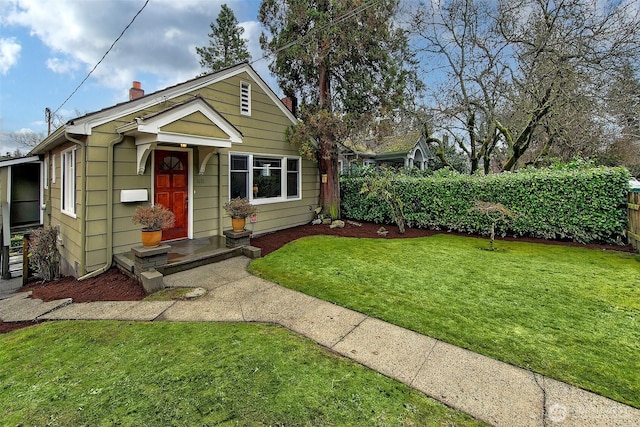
(399, 143)
(387, 146)
(18, 161)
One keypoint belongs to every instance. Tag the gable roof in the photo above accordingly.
(153, 123)
(84, 125)
(396, 144)
(399, 143)
(155, 128)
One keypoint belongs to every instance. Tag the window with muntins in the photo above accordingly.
(263, 178)
(245, 98)
(68, 185)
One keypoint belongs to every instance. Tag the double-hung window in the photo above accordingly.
(264, 178)
(68, 184)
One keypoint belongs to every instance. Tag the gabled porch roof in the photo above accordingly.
(155, 128)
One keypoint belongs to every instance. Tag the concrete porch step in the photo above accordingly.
(186, 255)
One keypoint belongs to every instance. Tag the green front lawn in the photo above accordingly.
(570, 313)
(195, 374)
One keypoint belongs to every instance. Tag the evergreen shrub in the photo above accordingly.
(583, 205)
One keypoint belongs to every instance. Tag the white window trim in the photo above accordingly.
(53, 168)
(283, 178)
(68, 183)
(45, 172)
(245, 97)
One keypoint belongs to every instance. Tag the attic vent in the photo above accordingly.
(245, 98)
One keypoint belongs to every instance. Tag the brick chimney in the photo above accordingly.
(291, 103)
(136, 91)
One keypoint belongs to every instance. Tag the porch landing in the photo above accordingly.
(187, 254)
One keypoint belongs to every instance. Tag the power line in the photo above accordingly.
(103, 56)
(338, 20)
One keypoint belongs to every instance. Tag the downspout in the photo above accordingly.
(220, 202)
(49, 197)
(83, 172)
(110, 161)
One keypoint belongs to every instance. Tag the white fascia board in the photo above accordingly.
(179, 138)
(84, 126)
(156, 123)
(19, 161)
(270, 93)
(80, 128)
(161, 96)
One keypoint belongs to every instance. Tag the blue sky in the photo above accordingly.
(47, 47)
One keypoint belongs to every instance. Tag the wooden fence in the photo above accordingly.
(633, 234)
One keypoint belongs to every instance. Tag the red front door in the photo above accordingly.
(172, 190)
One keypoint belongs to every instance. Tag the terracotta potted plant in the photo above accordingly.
(239, 209)
(153, 219)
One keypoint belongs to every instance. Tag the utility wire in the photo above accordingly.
(338, 20)
(103, 56)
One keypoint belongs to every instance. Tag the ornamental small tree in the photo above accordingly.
(495, 212)
(381, 185)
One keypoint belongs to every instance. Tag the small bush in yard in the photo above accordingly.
(495, 212)
(381, 185)
(44, 257)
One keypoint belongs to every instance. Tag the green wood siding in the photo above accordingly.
(195, 124)
(70, 247)
(262, 131)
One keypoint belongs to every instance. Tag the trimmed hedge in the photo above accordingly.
(587, 206)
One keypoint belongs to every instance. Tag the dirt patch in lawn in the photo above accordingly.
(113, 285)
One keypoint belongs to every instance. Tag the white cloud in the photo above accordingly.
(80, 31)
(158, 49)
(172, 34)
(161, 42)
(9, 54)
(61, 66)
(252, 31)
(24, 131)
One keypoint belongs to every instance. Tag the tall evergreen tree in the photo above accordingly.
(346, 61)
(226, 45)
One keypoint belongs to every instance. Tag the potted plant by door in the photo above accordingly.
(153, 219)
(239, 209)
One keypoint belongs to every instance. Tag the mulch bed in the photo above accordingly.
(273, 241)
(113, 285)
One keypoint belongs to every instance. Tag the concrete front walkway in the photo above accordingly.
(495, 392)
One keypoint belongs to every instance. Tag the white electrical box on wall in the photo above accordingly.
(138, 195)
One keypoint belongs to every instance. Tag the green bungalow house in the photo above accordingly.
(190, 147)
(408, 150)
